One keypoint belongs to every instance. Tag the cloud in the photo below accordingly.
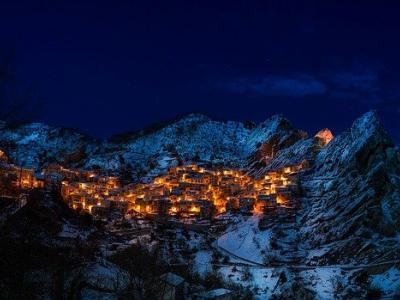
(360, 81)
(291, 86)
(359, 84)
(364, 84)
(355, 84)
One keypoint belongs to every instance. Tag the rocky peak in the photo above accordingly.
(324, 136)
(270, 139)
(367, 124)
(277, 122)
(365, 142)
(353, 194)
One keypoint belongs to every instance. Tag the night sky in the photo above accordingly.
(113, 66)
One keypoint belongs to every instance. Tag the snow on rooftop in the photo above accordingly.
(172, 279)
(105, 275)
(388, 282)
(214, 293)
(202, 262)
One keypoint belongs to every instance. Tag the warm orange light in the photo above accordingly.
(216, 186)
(195, 209)
(280, 199)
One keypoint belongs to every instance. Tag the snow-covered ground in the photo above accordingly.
(106, 276)
(388, 282)
(323, 281)
(246, 240)
(261, 281)
(202, 262)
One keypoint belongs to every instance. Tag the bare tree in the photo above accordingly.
(144, 269)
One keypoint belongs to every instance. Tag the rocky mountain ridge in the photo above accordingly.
(194, 137)
(353, 196)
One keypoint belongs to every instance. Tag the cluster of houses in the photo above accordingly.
(95, 193)
(17, 178)
(185, 191)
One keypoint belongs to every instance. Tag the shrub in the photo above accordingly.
(212, 280)
(246, 275)
(374, 293)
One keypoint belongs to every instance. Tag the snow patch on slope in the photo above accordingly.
(246, 240)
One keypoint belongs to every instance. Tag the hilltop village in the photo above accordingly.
(185, 191)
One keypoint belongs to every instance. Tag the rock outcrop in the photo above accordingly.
(299, 150)
(325, 136)
(351, 197)
(283, 138)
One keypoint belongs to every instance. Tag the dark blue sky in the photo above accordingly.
(112, 66)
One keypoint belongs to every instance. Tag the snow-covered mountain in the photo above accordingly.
(352, 207)
(194, 137)
(35, 145)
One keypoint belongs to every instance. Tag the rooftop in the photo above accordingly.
(172, 279)
(214, 293)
